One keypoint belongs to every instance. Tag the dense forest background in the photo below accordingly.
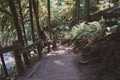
(88, 26)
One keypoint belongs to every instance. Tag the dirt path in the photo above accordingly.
(62, 65)
(57, 65)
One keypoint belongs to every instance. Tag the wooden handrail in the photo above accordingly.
(18, 46)
(30, 46)
(10, 48)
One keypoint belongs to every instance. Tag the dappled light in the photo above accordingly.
(59, 63)
(59, 39)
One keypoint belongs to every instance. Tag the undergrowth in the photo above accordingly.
(99, 44)
(85, 33)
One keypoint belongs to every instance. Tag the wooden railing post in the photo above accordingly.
(48, 45)
(39, 48)
(26, 59)
(19, 64)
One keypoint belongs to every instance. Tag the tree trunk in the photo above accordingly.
(39, 48)
(40, 32)
(17, 27)
(49, 17)
(22, 22)
(49, 27)
(16, 22)
(37, 5)
(87, 9)
(78, 11)
(31, 20)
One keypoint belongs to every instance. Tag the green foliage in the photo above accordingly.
(84, 34)
(86, 30)
(6, 23)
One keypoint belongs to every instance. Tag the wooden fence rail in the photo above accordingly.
(18, 50)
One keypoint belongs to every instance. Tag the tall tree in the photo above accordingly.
(87, 9)
(19, 33)
(49, 17)
(41, 35)
(78, 11)
(40, 32)
(22, 20)
(16, 22)
(49, 27)
(31, 20)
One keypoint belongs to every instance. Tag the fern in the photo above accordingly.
(86, 32)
